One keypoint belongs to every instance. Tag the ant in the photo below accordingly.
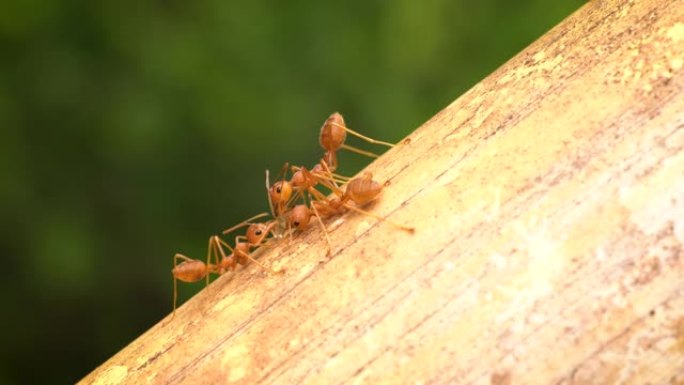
(281, 198)
(332, 138)
(255, 237)
(333, 135)
(360, 190)
(287, 217)
(193, 270)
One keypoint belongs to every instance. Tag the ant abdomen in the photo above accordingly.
(190, 270)
(333, 133)
(363, 190)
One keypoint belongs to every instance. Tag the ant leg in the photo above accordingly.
(244, 223)
(401, 227)
(283, 172)
(325, 179)
(297, 195)
(330, 182)
(175, 279)
(268, 269)
(268, 194)
(360, 151)
(341, 178)
(367, 139)
(246, 255)
(218, 247)
(315, 194)
(325, 207)
(329, 177)
(269, 229)
(210, 252)
(221, 242)
(216, 250)
(289, 232)
(325, 231)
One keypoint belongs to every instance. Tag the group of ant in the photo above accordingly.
(293, 202)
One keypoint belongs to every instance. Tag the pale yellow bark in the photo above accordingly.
(548, 203)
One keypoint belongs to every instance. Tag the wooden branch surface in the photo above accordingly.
(548, 203)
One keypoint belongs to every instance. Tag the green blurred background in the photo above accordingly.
(133, 130)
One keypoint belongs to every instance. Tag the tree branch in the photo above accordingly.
(548, 203)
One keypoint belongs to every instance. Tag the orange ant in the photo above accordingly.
(303, 182)
(193, 270)
(255, 237)
(361, 191)
(280, 193)
(333, 135)
(280, 199)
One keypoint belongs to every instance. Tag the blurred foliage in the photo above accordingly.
(133, 130)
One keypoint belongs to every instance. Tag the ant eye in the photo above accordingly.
(258, 232)
(278, 190)
(296, 223)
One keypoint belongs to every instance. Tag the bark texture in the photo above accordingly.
(548, 203)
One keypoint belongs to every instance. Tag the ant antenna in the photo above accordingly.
(244, 223)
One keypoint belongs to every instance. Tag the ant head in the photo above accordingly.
(299, 217)
(257, 232)
(333, 133)
(280, 192)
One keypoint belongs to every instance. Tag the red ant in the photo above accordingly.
(193, 270)
(360, 190)
(302, 184)
(333, 135)
(280, 199)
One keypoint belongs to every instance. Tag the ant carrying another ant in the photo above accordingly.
(345, 194)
